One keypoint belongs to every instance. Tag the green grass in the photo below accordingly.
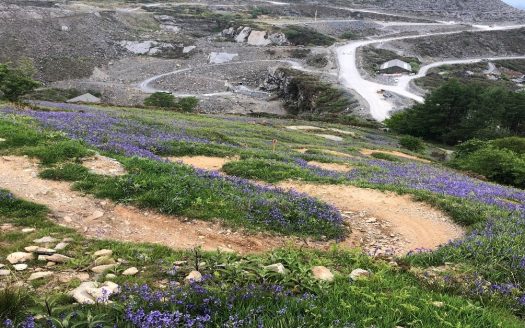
(391, 297)
(385, 156)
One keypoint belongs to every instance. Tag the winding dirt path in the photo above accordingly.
(402, 223)
(382, 223)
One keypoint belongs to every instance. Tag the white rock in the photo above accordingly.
(194, 276)
(221, 57)
(278, 39)
(103, 268)
(42, 257)
(130, 272)
(322, 273)
(60, 246)
(2, 140)
(19, 257)
(31, 249)
(330, 137)
(64, 28)
(243, 35)
(358, 274)
(40, 275)
(277, 267)
(258, 38)
(104, 260)
(103, 252)
(20, 267)
(4, 273)
(188, 49)
(59, 258)
(90, 292)
(28, 230)
(96, 215)
(44, 251)
(45, 240)
(111, 276)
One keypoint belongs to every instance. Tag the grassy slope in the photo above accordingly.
(393, 292)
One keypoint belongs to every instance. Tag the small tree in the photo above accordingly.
(14, 83)
(411, 143)
(160, 99)
(187, 104)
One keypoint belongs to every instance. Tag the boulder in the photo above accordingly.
(104, 260)
(228, 33)
(4, 273)
(45, 240)
(103, 252)
(40, 275)
(277, 267)
(91, 292)
(221, 57)
(44, 251)
(243, 35)
(28, 230)
(31, 249)
(85, 98)
(322, 273)
(60, 246)
(19, 257)
(20, 267)
(279, 39)
(130, 272)
(258, 38)
(359, 274)
(103, 268)
(194, 276)
(58, 258)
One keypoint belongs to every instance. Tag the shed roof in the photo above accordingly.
(396, 63)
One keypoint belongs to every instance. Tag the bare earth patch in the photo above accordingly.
(304, 128)
(385, 221)
(203, 162)
(329, 137)
(104, 219)
(369, 152)
(332, 166)
(103, 165)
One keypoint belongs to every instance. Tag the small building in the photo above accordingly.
(85, 98)
(395, 66)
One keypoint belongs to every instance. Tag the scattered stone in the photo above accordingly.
(31, 249)
(277, 267)
(60, 246)
(130, 272)
(45, 240)
(322, 273)
(258, 38)
(104, 260)
(438, 304)
(4, 273)
(44, 251)
(359, 274)
(194, 276)
(42, 257)
(67, 240)
(103, 252)
(96, 215)
(20, 267)
(6, 226)
(68, 219)
(91, 292)
(221, 57)
(40, 275)
(19, 257)
(111, 276)
(243, 35)
(58, 258)
(188, 49)
(278, 39)
(103, 268)
(28, 230)
(180, 262)
(50, 264)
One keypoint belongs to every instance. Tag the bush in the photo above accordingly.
(515, 144)
(349, 35)
(168, 101)
(303, 36)
(496, 164)
(187, 104)
(386, 157)
(15, 83)
(160, 99)
(411, 143)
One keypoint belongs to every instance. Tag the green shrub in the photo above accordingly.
(187, 104)
(318, 61)
(304, 36)
(348, 35)
(15, 83)
(411, 143)
(515, 144)
(14, 303)
(160, 99)
(66, 172)
(59, 152)
(499, 165)
(266, 170)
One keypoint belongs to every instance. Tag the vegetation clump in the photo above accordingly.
(14, 83)
(304, 36)
(168, 101)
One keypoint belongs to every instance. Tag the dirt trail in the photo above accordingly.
(381, 223)
(369, 152)
(387, 221)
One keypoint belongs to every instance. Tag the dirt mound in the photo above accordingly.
(331, 166)
(103, 165)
